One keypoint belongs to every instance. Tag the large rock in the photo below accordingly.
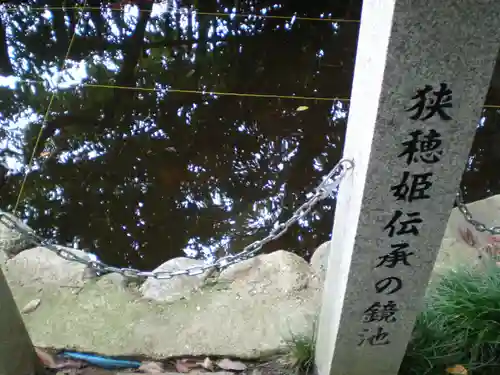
(12, 241)
(251, 309)
(280, 272)
(178, 287)
(319, 260)
(455, 251)
(39, 266)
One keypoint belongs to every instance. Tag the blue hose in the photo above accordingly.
(103, 362)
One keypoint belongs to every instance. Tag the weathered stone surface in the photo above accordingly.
(169, 290)
(39, 266)
(247, 315)
(279, 272)
(3, 258)
(454, 251)
(319, 260)
(12, 242)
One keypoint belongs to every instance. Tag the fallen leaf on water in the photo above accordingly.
(31, 306)
(207, 364)
(151, 368)
(302, 108)
(228, 364)
(457, 370)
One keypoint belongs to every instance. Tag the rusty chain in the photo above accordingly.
(480, 227)
(325, 189)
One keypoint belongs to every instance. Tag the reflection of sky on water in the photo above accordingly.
(76, 72)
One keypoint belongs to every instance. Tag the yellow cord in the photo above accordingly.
(215, 14)
(23, 183)
(221, 93)
(201, 92)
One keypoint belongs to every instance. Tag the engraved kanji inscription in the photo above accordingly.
(397, 256)
(434, 102)
(423, 147)
(389, 285)
(379, 312)
(413, 187)
(377, 338)
(401, 224)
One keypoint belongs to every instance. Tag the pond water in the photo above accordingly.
(235, 120)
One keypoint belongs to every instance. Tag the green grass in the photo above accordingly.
(301, 352)
(460, 325)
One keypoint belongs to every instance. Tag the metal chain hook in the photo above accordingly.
(326, 188)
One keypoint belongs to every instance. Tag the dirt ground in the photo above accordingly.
(272, 366)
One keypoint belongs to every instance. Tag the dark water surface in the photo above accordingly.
(141, 176)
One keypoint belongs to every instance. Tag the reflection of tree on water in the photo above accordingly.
(138, 176)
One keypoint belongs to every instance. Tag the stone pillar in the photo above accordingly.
(17, 355)
(422, 72)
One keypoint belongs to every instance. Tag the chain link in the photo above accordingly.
(325, 189)
(480, 227)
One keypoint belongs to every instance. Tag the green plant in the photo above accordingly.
(460, 325)
(301, 352)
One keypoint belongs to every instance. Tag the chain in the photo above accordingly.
(325, 189)
(480, 227)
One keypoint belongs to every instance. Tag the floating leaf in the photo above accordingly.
(45, 154)
(228, 364)
(457, 370)
(31, 306)
(302, 108)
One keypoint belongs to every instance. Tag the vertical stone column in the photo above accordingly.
(422, 73)
(17, 354)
